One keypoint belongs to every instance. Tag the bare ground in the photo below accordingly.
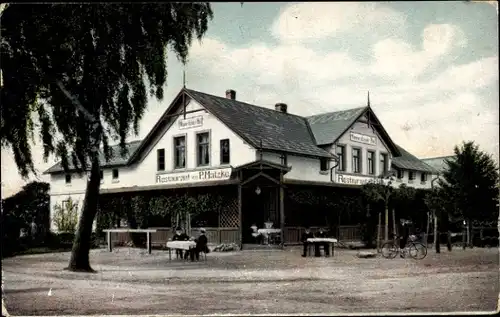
(252, 282)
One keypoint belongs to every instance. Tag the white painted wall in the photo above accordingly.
(145, 171)
(379, 148)
(303, 168)
(416, 183)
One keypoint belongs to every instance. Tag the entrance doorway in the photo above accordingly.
(260, 204)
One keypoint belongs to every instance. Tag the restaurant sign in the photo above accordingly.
(363, 138)
(195, 176)
(358, 180)
(192, 122)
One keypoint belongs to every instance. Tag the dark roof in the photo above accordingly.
(116, 160)
(328, 127)
(410, 162)
(259, 126)
(270, 129)
(438, 163)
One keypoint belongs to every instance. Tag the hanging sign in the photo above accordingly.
(192, 122)
(363, 138)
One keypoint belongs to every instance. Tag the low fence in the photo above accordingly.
(160, 238)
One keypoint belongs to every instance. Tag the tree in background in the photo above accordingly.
(30, 205)
(80, 69)
(66, 216)
(470, 183)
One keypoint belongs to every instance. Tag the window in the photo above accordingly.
(324, 164)
(68, 178)
(115, 173)
(180, 152)
(203, 154)
(341, 154)
(356, 162)
(371, 162)
(401, 174)
(423, 177)
(383, 163)
(284, 159)
(224, 151)
(161, 159)
(411, 175)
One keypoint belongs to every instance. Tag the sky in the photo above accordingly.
(431, 69)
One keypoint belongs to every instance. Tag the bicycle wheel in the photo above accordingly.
(389, 250)
(417, 250)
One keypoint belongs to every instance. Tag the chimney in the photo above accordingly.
(281, 107)
(230, 94)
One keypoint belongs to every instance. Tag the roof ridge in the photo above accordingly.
(437, 157)
(332, 112)
(247, 104)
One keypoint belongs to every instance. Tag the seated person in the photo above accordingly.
(201, 245)
(326, 246)
(180, 235)
(255, 234)
(306, 235)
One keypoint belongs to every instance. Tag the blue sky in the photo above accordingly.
(431, 68)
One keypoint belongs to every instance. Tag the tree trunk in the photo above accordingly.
(79, 261)
(394, 221)
(436, 233)
(379, 229)
(428, 227)
(386, 229)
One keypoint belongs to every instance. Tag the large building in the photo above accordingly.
(219, 142)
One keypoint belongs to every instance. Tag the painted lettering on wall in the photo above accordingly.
(192, 122)
(196, 176)
(357, 180)
(363, 138)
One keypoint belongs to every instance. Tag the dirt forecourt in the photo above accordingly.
(252, 282)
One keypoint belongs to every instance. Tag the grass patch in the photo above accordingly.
(41, 250)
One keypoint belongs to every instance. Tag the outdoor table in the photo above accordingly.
(183, 245)
(267, 232)
(146, 231)
(315, 241)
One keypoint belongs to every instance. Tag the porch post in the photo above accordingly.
(240, 216)
(282, 210)
(282, 215)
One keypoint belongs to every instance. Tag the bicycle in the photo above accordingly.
(416, 250)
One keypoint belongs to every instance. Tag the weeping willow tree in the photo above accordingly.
(82, 71)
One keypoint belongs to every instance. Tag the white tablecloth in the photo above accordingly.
(184, 245)
(331, 240)
(268, 231)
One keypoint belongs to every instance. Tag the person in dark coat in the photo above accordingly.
(306, 235)
(180, 235)
(201, 245)
(326, 245)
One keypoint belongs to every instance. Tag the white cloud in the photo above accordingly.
(396, 59)
(317, 20)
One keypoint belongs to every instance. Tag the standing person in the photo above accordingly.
(306, 235)
(403, 235)
(201, 245)
(326, 245)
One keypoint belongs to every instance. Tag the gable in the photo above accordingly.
(330, 127)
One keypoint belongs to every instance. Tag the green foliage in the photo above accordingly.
(100, 55)
(470, 183)
(66, 216)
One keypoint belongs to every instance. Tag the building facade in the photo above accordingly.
(212, 142)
